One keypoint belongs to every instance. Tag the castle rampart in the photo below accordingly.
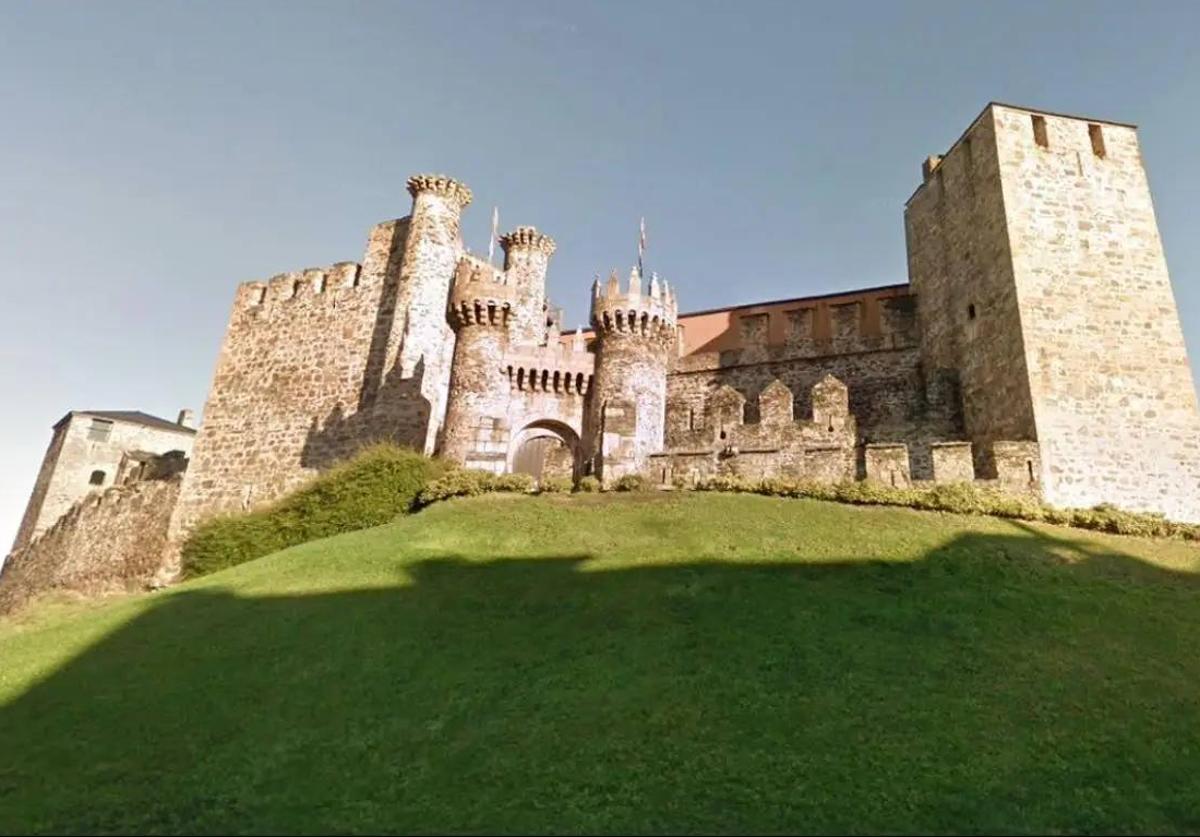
(1036, 346)
(108, 542)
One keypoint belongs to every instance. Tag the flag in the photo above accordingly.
(641, 245)
(495, 229)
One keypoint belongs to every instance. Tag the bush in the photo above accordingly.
(370, 489)
(515, 483)
(632, 482)
(588, 485)
(959, 498)
(470, 483)
(554, 485)
(725, 483)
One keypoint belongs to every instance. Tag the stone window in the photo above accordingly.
(97, 478)
(799, 324)
(99, 430)
(296, 288)
(1039, 131)
(846, 319)
(1096, 133)
(971, 311)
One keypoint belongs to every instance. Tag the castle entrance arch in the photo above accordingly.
(545, 449)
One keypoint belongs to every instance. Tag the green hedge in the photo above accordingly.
(632, 482)
(555, 485)
(963, 498)
(470, 483)
(370, 489)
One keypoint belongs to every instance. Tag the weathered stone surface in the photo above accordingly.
(887, 464)
(106, 543)
(1042, 284)
(952, 462)
(89, 453)
(635, 338)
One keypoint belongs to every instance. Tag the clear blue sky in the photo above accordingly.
(153, 155)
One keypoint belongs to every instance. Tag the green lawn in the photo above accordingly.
(658, 663)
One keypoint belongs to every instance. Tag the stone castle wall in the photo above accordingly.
(79, 462)
(1112, 391)
(970, 326)
(301, 368)
(891, 395)
(1034, 251)
(109, 542)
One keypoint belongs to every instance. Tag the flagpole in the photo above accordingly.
(641, 245)
(495, 229)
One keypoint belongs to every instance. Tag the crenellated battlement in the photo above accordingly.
(298, 284)
(632, 311)
(439, 184)
(481, 295)
(527, 238)
(558, 368)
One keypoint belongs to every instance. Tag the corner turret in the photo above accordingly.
(420, 343)
(527, 255)
(481, 295)
(481, 308)
(635, 334)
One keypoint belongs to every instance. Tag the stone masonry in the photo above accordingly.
(1035, 254)
(107, 542)
(1036, 347)
(93, 450)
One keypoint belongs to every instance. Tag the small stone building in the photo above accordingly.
(93, 450)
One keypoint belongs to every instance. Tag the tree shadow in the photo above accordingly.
(1019, 683)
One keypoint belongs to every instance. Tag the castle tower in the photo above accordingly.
(527, 255)
(1041, 283)
(635, 336)
(482, 308)
(417, 373)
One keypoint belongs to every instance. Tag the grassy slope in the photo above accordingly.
(697, 663)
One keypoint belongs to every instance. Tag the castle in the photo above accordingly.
(1036, 346)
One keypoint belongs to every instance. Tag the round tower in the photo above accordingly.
(421, 342)
(527, 255)
(481, 311)
(635, 335)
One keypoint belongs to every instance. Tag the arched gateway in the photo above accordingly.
(545, 448)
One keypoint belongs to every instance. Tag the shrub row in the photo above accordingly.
(370, 489)
(962, 498)
(469, 483)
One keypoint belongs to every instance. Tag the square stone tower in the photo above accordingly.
(1042, 287)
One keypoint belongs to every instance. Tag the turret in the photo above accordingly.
(421, 343)
(635, 333)
(481, 311)
(527, 255)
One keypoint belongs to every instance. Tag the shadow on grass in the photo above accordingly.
(1001, 684)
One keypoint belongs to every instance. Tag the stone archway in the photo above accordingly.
(545, 448)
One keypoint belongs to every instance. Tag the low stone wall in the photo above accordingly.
(107, 543)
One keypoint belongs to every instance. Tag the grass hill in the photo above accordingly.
(644, 663)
